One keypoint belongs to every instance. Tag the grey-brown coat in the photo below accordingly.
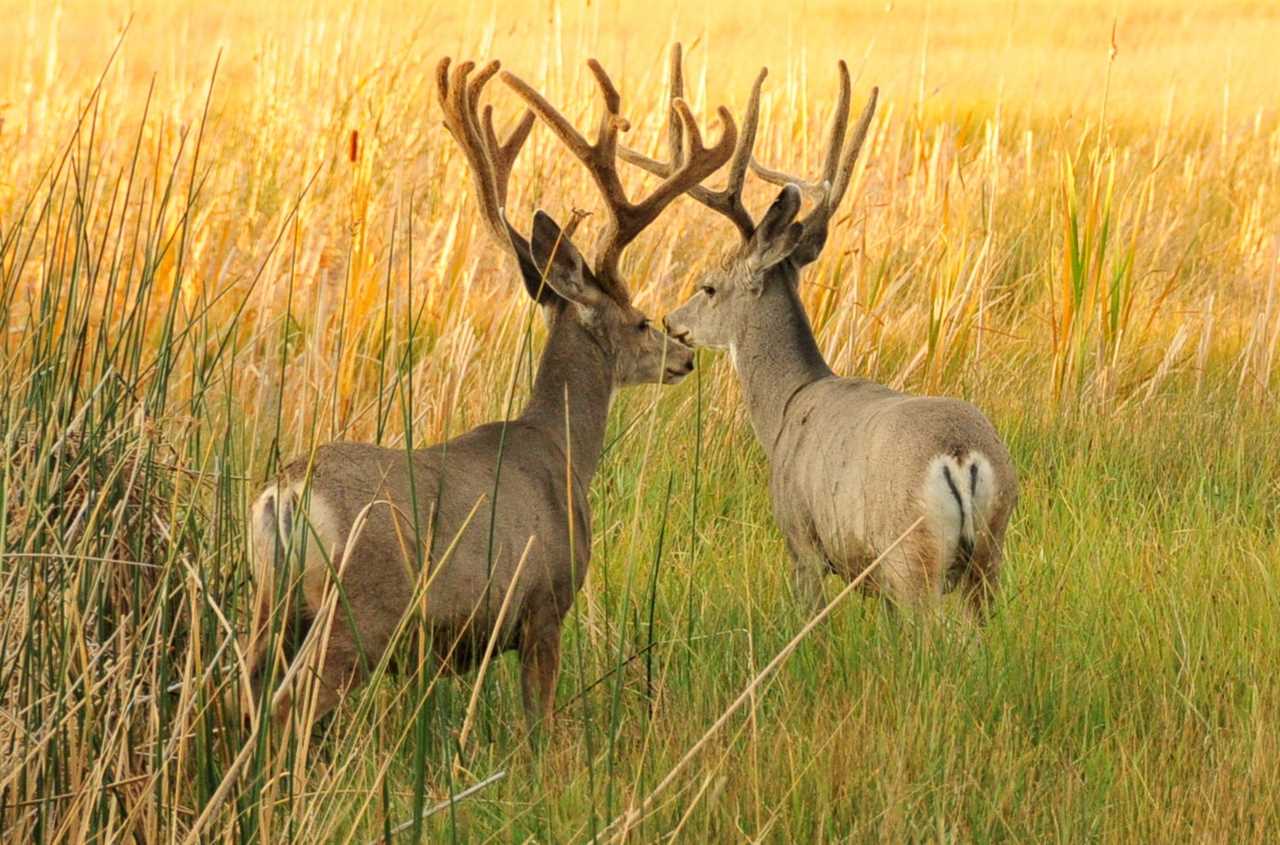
(500, 514)
(854, 466)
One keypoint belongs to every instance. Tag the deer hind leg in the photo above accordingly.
(273, 599)
(981, 577)
(539, 668)
(344, 638)
(912, 574)
(342, 670)
(352, 629)
(808, 568)
(807, 572)
(337, 659)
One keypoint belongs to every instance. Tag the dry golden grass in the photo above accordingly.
(1066, 213)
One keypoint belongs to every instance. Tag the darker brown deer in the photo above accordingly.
(854, 466)
(494, 526)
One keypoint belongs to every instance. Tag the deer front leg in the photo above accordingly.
(539, 670)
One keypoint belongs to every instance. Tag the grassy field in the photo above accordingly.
(229, 231)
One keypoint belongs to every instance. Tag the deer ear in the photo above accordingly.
(778, 234)
(779, 216)
(559, 265)
(810, 245)
(538, 292)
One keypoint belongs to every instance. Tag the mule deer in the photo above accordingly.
(854, 465)
(503, 508)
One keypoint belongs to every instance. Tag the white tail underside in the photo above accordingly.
(957, 499)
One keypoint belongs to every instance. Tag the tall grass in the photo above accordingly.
(247, 235)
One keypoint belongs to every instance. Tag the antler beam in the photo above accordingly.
(490, 160)
(728, 200)
(838, 161)
(626, 218)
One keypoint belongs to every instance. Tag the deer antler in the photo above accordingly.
(838, 165)
(727, 201)
(489, 159)
(626, 218)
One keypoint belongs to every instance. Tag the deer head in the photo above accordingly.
(770, 253)
(554, 271)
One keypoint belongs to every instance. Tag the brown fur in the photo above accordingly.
(434, 507)
(379, 526)
(854, 465)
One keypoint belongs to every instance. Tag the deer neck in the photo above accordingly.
(775, 356)
(572, 393)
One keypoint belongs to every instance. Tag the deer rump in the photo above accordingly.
(429, 505)
(857, 464)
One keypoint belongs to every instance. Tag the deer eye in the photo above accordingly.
(708, 290)
(644, 325)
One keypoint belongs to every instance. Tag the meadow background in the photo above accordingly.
(229, 231)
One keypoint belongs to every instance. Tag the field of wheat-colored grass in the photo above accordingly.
(231, 231)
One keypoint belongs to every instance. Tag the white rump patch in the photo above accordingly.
(957, 498)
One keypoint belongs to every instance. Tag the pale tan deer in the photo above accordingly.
(499, 514)
(854, 465)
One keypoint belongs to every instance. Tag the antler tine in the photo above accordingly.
(853, 148)
(626, 218)
(820, 189)
(742, 155)
(839, 122)
(563, 129)
(612, 120)
(817, 191)
(838, 161)
(700, 162)
(728, 200)
(489, 160)
(503, 155)
(675, 140)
